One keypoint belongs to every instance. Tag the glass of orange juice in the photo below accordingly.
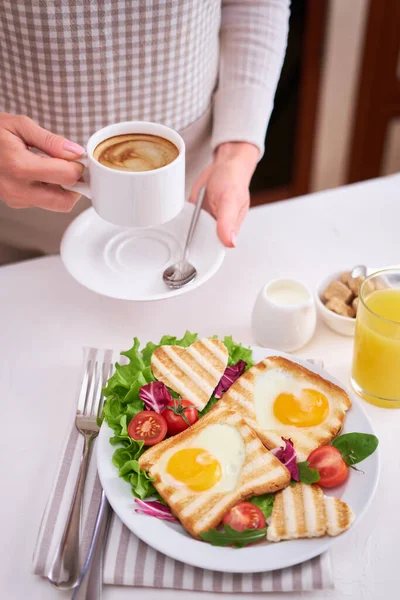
(376, 360)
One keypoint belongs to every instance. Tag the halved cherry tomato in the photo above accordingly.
(330, 465)
(148, 426)
(179, 415)
(244, 515)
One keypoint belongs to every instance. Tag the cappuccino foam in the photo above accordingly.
(136, 152)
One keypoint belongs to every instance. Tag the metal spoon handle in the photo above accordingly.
(193, 223)
(362, 270)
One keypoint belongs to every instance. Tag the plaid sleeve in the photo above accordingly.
(253, 41)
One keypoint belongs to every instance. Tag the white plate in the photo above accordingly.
(171, 539)
(128, 263)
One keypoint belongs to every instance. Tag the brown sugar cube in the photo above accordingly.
(340, 307)
(354, 284)
(337, 289)
(345, 278)
(355, 304)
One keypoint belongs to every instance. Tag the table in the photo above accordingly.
(46, 317)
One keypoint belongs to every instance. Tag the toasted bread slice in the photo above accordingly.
(192, 372)
(273, 376)
(260, 472)
(299, 511)
(339, 515)
(303, 511)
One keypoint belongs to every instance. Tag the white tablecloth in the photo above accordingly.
(46, 317)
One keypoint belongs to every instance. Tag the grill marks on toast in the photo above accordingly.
(304, 511)
(192, 372)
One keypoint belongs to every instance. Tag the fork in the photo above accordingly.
(97, 369)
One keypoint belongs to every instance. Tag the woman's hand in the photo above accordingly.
(227, 180)
(27, 179)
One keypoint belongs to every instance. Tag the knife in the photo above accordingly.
(90, 583)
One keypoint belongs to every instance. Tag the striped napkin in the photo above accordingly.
(129, 561)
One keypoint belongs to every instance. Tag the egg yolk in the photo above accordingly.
(310, 408)
(195, 467)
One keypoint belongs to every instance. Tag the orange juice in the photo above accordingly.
(376, 362)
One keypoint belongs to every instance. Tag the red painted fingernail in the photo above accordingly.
(74, 148)
(233, 239)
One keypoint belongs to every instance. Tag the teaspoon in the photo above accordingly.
(363, 271)
(182, 272)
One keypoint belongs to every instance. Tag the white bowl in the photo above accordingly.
(342, 325)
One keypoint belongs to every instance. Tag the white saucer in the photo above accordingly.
(128, 263)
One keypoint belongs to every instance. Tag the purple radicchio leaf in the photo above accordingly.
(155, 395)
(154, 508)
(229, 377)
(287, 455)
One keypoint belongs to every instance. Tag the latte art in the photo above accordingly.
(136, 152)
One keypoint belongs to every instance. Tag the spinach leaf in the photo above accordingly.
(306, 474)
(231, 537)
(355, 447)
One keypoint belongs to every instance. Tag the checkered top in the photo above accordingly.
(77, 65)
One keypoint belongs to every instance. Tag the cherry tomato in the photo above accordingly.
(179, 415)
(330, 465)
(244, 515)
(148, 426)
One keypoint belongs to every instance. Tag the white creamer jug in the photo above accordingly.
(284, 315)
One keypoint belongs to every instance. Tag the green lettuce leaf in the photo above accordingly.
(265, 503)
(125, 458)
(167, 340)
(238, 352)
(212, 401)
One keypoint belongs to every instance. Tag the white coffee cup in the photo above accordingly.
(134, 198)
(284, 315)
